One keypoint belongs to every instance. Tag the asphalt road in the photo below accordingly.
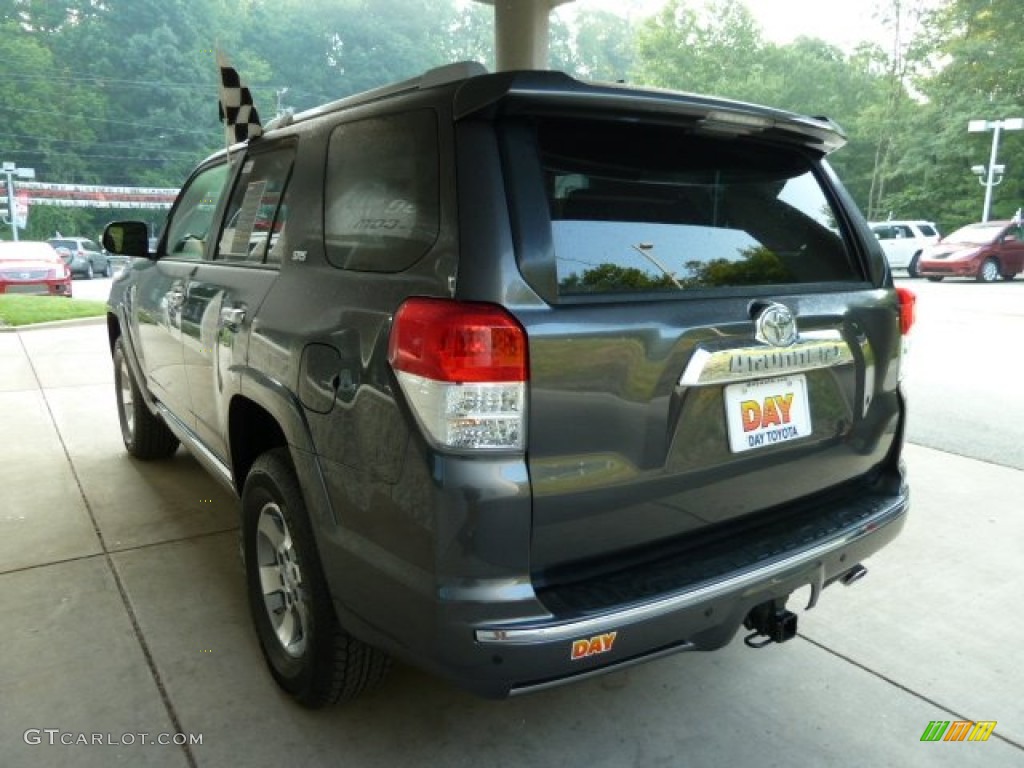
(965, 378)
(97, 289)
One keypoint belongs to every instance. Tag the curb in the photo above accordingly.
(74, 323)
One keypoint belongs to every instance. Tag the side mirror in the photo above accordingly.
(127, 238)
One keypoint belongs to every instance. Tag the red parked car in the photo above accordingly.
(27, 266)
(985, 251)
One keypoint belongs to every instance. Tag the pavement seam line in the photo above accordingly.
(122, 591)
(902, 687)
(134, 548)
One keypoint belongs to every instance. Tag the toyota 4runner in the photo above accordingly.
(521, 379)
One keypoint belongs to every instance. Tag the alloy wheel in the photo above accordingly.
(989, 271)
(126, 399)
(281, 581)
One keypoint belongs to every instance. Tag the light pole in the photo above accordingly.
(981, 171)
(10, 170)
(996, 126)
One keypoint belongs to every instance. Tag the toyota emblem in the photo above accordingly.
(776, 326)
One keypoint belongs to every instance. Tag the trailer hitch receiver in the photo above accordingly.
(771, 623)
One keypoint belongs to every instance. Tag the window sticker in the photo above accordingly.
(245, 222)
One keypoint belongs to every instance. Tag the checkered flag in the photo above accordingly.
(241, 122)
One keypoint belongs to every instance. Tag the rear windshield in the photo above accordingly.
(638, 208)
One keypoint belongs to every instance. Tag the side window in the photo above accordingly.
(904, 231)
(381, 209)
(927, 230)
(190, 223)
(884, 233)
(256, 219)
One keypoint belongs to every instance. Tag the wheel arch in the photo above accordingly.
(113, 329)
(264, 416)
(118, 329)
(252, 431)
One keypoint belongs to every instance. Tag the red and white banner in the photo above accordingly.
(92, 195)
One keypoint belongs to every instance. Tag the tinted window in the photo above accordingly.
(927, 230)
(192, 217)
(254, 228)
(642, 208)
(381, 204)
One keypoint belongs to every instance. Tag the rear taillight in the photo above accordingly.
(908, 314)
(908, 309)
(462, 366)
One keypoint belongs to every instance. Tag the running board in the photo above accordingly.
(203, 455)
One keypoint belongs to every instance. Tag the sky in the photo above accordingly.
(843, 23)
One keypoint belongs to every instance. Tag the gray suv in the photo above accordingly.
(521, 379)
(83, 256)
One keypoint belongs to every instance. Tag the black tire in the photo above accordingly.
(935, 279)
(988, 272)
(145, 435)
(108, 270)
(89, 272)
(308, 653)
(912, 266)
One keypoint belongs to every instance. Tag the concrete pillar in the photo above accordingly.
(521, 32)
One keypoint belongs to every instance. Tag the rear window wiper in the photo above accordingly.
(644, 249)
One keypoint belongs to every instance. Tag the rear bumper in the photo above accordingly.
(703, 617)
(495, 634)
(948, 269)
(79, 266)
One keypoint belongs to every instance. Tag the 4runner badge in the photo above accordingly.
(581, 649)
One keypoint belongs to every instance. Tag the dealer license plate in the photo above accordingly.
(767, 412)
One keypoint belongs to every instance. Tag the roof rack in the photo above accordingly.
(448, 73)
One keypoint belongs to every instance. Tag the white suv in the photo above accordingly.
(903, 241)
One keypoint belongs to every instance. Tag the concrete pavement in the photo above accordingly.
(124, 614)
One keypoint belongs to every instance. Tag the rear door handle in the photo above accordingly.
(232, 317)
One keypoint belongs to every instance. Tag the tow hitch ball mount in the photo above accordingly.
(771, 623)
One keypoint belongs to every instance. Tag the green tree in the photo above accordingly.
(613, 278)
(711, 48)
(596, 45)
(976, 70)
(32, 133)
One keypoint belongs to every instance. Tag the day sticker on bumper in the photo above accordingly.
(592, 646)
(767, 412)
